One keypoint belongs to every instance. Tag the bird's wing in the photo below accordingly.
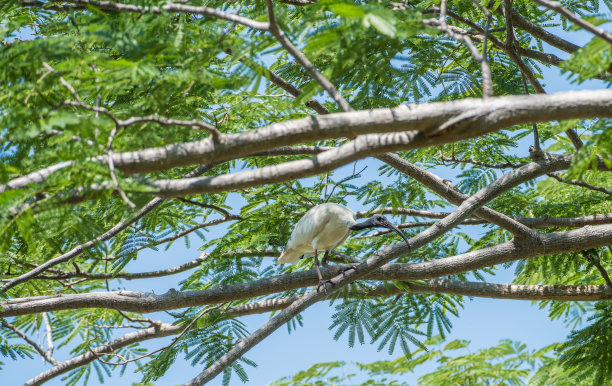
(305, 231)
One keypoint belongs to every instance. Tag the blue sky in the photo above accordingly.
(483, 321)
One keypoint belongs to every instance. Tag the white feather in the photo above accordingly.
(322, 228)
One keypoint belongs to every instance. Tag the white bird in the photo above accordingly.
(323, 228)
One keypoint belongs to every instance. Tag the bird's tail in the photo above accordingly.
(289, 256)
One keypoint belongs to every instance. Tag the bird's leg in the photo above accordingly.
(324, 263)
(322, 282)
(333, 268)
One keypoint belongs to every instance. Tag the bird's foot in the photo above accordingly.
(323, 283)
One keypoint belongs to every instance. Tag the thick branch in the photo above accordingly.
(548, 243)
(445, 189)
(486, 116)
(442, 286)
(157, 331)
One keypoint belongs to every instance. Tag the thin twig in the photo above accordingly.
(418, 225)
(480, 163)
(487, 84)
(487, 87)
(59, 274)
(64, 82)
(207, 206)
(111, 167)
(126, 361)
(353, 175)
(288, 185)
(597, 264)
(536, 135)
(36, 347)
(301, 58)
(120, 226)
(214, 131)
(580, 183)
(162, 121)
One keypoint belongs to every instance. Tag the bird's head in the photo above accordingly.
(379, 221)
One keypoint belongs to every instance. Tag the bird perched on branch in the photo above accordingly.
(323, 228)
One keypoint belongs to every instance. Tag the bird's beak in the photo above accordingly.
(396, 230)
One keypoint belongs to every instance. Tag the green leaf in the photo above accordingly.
(382, 21)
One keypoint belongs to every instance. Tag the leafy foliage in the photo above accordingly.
(68, 75)
(507, 363)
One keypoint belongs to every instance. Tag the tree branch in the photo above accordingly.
(120, 226)
(303, 60)
(492, 114)
(557, 7)
(157, 331)
(49, 336)
(445, 189)
(110, 6)
(45, 354)
(597, 264)
(487, 85)
(548, 243)
(480, 163)
(59, 274)
(580, 183)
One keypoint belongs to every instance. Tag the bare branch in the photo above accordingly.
(59, 274)
(548, 243)
(126, 361)
(111, 167)
(46, 355)
(540, 33)
(231, 217)
(303, 60)
(580, 183)
(284, 84)
(487, 84)
(158, 331)
(416, 225)
(492, 114)
(49, 335)
(537, 222)
(403, 211)
(64, 82)
(445, 189)
(480, 163)
(83, 247)
(110, 6)
(206, 206)
(172, 122)
(557, 7)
